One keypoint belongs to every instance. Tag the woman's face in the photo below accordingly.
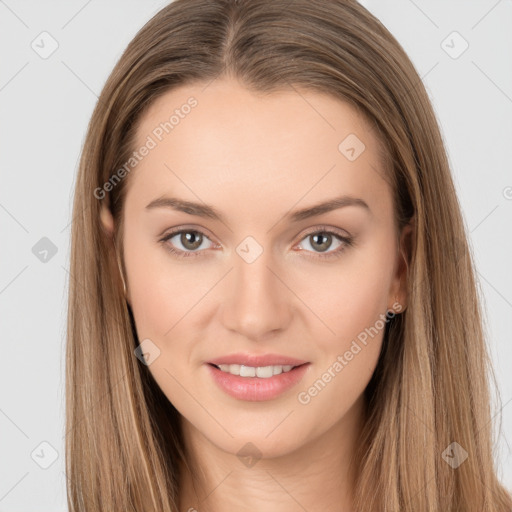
(261, 278)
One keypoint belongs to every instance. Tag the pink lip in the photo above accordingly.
(256, 360)
(256, 389)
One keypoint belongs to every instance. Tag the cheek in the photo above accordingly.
(348, 297)
(352, 302)
(349, 351)
(162, 291)
(152, 300)
(346, 359)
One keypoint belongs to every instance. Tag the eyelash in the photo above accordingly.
(348, 241)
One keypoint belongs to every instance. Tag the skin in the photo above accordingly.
(255, 158)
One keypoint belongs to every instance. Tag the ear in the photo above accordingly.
(398, 292)
(107, 220)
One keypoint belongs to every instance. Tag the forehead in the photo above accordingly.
(221, 142)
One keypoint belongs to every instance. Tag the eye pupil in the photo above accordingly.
(325, 237)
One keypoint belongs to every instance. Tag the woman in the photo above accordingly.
(273, 304)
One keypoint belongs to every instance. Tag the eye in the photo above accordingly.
(190, 239)
(322, 239)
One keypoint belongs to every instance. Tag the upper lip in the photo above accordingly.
(257, 360)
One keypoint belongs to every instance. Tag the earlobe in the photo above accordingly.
(107, 220)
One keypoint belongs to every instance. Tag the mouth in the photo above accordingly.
(256, 384)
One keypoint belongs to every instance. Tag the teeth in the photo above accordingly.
(263, 372)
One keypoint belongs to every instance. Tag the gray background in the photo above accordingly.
(45, 106)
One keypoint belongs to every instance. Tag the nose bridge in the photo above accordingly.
(256, 300)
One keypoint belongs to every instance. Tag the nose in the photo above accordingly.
(257, 300)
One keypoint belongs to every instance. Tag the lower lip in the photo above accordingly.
(256, 389)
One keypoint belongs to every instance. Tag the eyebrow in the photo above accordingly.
(207, 211)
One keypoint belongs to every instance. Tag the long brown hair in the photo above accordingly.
(431, 386)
